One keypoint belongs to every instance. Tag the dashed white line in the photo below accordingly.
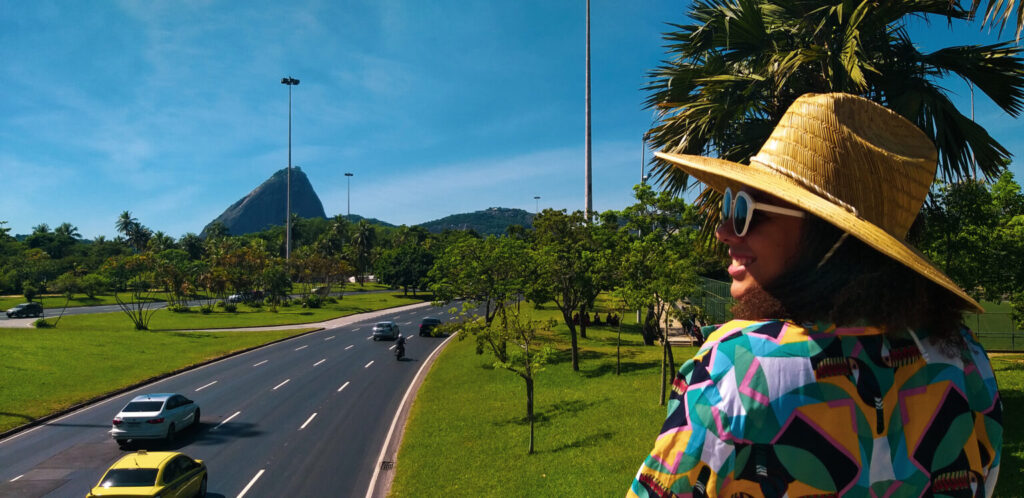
(368, 364)
(16, 478)
(204, 387)
(393, 346)
(350, 347)
(329, 338)
(308, 420)
(319, 362)
(356, 329)
(302, 347)
(369, 337)
(253, 481)
(226, 420)
(343, 386)
(260, 363)
(281, 384)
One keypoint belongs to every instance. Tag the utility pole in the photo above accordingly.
(348, 179)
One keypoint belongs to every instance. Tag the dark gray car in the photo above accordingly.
(24, 310)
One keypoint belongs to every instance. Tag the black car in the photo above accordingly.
(25, 309)
(428, 325)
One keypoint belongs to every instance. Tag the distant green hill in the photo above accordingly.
(490, 221)
(354, 218)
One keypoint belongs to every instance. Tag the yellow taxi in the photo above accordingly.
(162, 474)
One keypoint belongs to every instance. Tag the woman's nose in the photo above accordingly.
(725, 234)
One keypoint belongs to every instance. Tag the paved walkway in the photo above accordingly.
(332, 323)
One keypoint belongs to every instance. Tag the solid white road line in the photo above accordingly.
(319, 362)
(308, 420)
(329, 338)
(302, 347)
(260, 363)
(368, 364)
(350, 347)
(253, 481)
(281, 384)
(16, 478)
(226, 420)
(204, 387)
(343, 386)
(393, 346)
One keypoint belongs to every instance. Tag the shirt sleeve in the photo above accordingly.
(693, 442)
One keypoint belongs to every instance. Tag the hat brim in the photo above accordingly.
(719, 174)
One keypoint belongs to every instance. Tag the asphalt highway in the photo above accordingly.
(304, 417)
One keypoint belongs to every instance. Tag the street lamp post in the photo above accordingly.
(288, 195)
(536, 199)
(348, 179)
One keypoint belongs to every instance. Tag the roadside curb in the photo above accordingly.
(380, 483)
(314, 327)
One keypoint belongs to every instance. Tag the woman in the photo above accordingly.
(848, 370)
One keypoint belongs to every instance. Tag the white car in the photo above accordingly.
(154, 416)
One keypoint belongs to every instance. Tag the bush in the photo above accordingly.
(286, 303)
(313, 301)
(41, 323)
(332, 300)
(220, 304)
(179, 308)
(230, 307)
(206, 310)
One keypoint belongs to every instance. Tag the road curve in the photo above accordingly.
(303, 417)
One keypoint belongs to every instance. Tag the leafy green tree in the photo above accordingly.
(999, 12)
(93, 284)
(733, 71)
(494, 272)
(277, 283)
(30, 290)
(67, 285)
(564, 253)
(136, 300)
(406, 265)
(525, 358)
(191, 244)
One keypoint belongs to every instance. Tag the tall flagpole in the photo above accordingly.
(588, 195)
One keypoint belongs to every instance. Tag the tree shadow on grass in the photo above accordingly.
(543, 415)
(608, 367)
(1013, 442)
(584, 442)
(565, 356)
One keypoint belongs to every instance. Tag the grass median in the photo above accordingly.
(43, 371)
(467, 435)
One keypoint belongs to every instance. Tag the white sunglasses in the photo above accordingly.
(740, 207)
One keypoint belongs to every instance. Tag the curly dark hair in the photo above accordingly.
(856, 286)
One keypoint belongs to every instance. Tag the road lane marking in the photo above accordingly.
(302, 347)
(368, 364)
(329, 338)
(350, 347)
(204, 387)
(226, 421)
(16, 478)
(356, 329)
(308, 420)
(343, 386)
(260, 363)
(369, 337)
(281, 384)
(393, 346)
(319, 362)
(253, 481)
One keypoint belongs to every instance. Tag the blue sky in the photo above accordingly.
(174, 110)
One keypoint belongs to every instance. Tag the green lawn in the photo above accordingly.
(594, 428)
(466, 434)
(56, 302)
(45, 370)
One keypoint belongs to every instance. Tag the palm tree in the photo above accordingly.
(738, 67)
(998, 12)
(125, 222)
(67, 230)
(363, 240)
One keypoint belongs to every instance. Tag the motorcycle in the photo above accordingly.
(400, 349)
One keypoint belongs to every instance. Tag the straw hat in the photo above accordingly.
(847, 160)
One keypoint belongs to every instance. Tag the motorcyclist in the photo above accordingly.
(400, 346)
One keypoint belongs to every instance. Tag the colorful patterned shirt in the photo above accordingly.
(777, 409)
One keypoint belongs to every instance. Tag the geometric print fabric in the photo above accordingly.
(772, 408)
